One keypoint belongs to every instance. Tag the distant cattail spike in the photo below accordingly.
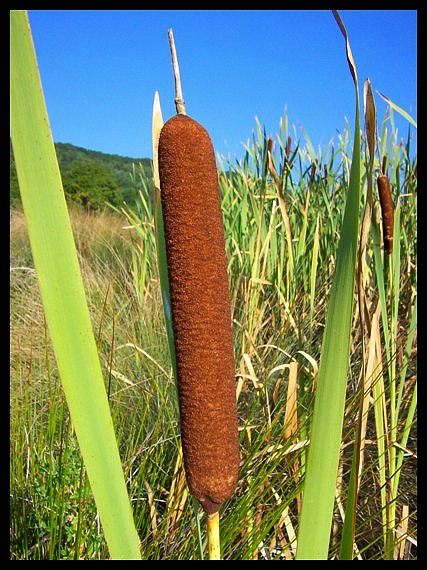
(312, 175)
(288, 148)
(387, 211)
(286, 167)
(384, 165)
(197, 268)
(268, 157)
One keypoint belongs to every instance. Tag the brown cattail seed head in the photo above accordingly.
(387, 211)
(384, 165)
(288, 148)
(312, 175)
(270, 144)
(201, 315)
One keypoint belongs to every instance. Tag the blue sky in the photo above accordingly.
(100, 69)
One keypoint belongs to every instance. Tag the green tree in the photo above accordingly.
(91, 185)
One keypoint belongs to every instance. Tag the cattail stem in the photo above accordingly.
(213, 537)
(179, 99)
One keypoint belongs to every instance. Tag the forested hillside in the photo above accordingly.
(92, 178)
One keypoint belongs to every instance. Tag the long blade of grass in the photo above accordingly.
(378, 392)
(394, 261)
(313, 272)
(63, 294)
(401, 111)
(347, 540)
(412, 405)
(283, 208)
(325, 439)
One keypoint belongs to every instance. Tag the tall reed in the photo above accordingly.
(63, 294)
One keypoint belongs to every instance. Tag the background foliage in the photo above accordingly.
(91, 178)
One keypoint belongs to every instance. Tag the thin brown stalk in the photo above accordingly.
(283, 209)
(179, 99)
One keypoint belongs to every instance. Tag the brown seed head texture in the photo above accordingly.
(387, 211)
(288, 148)
(198, 281)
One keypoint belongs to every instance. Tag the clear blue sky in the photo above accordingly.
(100, 69)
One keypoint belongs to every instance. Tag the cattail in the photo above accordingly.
(387, 211)
(199, 293)
(288, 148)
(384, 165)
(312, 175)
(270, 144)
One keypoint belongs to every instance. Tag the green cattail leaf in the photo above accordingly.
(314, 265)
(401, 111)
(63, 294)
(413, 403)
(310, 147)
(325, 437)
(347, 540)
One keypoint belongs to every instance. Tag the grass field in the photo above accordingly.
(280, 278)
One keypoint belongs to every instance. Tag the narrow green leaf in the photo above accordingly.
(313, 272)
(401, 111)
(310, 148)
(63, 294)
(325, 438)
(412, 406)
(347, 541)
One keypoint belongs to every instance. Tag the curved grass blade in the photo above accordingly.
(314, 265)
(401, 111)
(63, 294)
(325, 438)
